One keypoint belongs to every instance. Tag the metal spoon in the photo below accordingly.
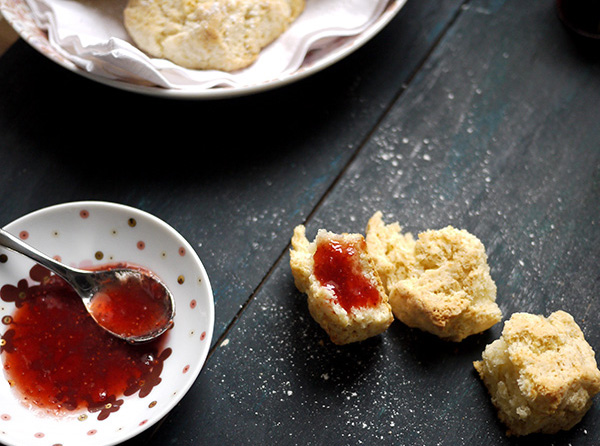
(91, 285)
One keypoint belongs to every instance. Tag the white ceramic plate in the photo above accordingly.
(91, 233)
(19, 16)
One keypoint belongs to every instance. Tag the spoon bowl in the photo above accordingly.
(130, 303)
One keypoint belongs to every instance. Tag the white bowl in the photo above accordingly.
(93, 233)
(19, 16)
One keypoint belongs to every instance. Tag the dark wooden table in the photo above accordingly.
(482, 114)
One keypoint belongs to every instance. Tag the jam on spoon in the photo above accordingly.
(131, 304)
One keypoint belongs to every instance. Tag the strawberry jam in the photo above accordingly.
(132, 307)
(58, 359)
(338, 268)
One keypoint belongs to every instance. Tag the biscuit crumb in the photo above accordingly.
(439, 283)
(541, 373)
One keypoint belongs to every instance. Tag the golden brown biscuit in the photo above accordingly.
(208, 34)
(541, 373)
(440, 283)
(345, 294)
(392, 251)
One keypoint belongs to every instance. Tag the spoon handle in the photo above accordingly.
(13, 243)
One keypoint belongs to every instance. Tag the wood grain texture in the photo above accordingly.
(482, 115)
(232, 176)
(496, 134)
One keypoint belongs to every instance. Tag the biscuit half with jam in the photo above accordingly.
(345, 293)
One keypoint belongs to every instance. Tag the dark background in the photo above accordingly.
(479, 114)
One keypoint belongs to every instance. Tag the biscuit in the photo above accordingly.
(345, 294)
(208, 34)
(392, 251)
(439, 283)
(541, 373)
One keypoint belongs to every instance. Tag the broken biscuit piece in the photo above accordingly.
(541, 373)
(345, 294)
(392, 251)
(439, 283)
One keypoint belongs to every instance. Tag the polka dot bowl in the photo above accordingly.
(88, 234)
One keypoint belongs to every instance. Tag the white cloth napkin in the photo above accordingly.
(91, 34)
